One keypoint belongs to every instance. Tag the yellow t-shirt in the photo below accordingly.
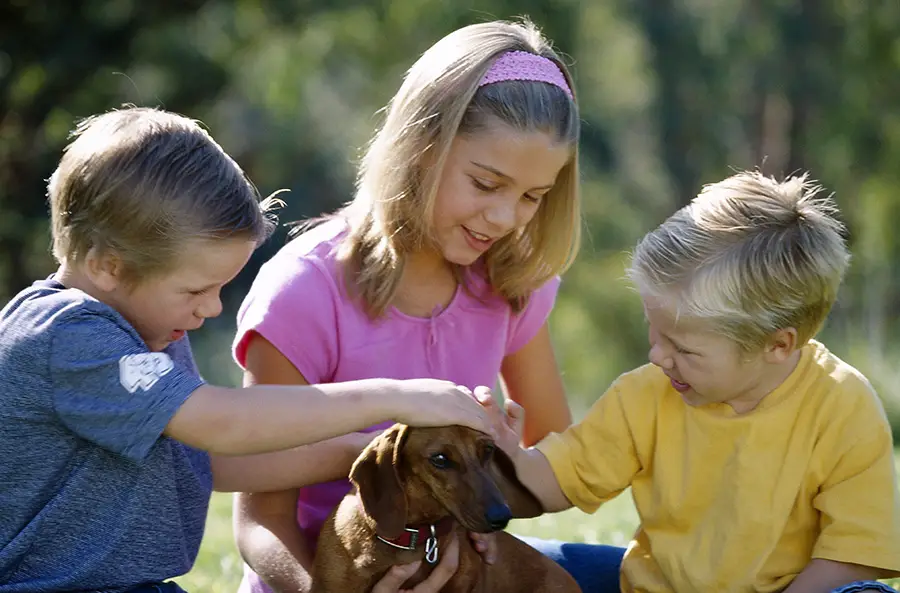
(732, 502)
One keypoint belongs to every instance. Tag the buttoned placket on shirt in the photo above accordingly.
(439, 317)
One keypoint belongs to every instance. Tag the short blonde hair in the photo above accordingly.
(751, 255)
(141, 182)
(392, 213)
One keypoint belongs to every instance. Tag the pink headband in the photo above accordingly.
(523, 65)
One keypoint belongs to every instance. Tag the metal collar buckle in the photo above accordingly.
(431, 543)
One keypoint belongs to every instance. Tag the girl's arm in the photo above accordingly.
(265, 524)
(536, 405)
(291, 468)
(530, 377)
(269, 541)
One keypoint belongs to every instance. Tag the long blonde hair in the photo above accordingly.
(392, 212)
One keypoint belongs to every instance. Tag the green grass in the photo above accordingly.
(219, 569)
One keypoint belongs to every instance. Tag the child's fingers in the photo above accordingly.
(446, 568)
(486, 545)
(494, 412)
(395, 577)
(515, 415)
(484, 396)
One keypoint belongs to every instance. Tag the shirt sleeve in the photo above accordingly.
(292, 304)
(595, 459)
(109, 388)
(859, 500)
(526, 324)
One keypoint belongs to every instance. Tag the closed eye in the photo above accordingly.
(482, 186)
(680, 349)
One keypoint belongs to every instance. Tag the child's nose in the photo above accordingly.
(502, 217)
(211, 307)
(659, 357)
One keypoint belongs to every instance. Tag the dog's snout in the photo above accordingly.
(498, 516)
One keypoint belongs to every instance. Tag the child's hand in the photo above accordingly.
(486, 545)
(507, 426)
(430, 402)
(400, 573)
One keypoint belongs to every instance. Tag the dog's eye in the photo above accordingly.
(487, 452)
(440, 461)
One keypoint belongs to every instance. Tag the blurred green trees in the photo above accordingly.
(673, 95)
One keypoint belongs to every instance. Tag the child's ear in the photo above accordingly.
(104, 268)
(781, 345)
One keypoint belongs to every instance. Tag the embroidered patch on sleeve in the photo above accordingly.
(142, 371)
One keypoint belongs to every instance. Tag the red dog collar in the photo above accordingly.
(413, 536)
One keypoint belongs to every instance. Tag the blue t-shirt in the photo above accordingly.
(93, 497)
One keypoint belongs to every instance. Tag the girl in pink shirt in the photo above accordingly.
(445, 265)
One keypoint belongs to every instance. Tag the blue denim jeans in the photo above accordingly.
(864, 586)
(596, 567)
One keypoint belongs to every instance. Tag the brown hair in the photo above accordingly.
(141, 182)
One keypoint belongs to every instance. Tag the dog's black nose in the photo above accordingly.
(498, 515)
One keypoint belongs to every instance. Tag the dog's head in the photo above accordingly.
(419, 475)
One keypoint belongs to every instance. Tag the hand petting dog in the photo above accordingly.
(508, 422)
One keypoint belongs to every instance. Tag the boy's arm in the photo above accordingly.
(821, 576)
(586, 465)
(535, 473)
(293, 468)
(107, 388)
(262, 418)
(532, 468)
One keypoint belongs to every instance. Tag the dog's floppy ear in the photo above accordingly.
(376, 478)
(522, 503)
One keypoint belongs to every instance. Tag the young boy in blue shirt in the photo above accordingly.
(111, 442)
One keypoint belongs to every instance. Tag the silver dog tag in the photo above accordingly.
(431, 547)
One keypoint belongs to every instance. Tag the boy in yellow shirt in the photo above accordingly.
(758, 460)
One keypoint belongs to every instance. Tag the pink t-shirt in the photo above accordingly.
(299, 303)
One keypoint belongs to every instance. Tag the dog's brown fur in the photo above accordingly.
(398, 483)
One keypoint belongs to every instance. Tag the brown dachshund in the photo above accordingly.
(414, 487)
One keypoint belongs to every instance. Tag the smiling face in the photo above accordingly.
(164, 308)
(705, 367)
(493, 184)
